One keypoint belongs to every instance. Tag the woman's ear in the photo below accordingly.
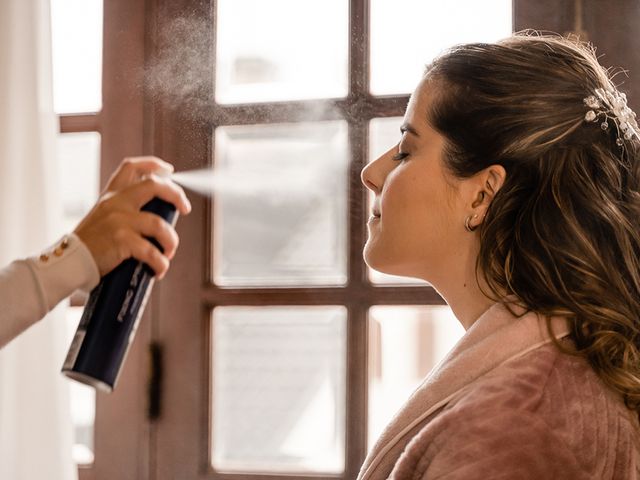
(495, 176)
(486, 185)
(488, 182)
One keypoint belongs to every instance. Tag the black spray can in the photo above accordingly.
(111, 316)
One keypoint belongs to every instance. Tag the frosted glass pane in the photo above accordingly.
(79, 162)
(281, 50)
(76, 29)
(407, 34)
(280, 216)
(279, 381)
(384, 133)
(405, 343)
(83, 402)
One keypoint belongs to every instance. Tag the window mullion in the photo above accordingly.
(359, 56)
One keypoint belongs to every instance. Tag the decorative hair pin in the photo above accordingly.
(612, 105)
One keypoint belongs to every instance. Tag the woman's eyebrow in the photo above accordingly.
(406, 127)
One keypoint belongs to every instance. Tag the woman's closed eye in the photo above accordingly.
(400, 156)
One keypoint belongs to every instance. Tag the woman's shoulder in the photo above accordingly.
(560, 389)
(556, 385)
(545, 412)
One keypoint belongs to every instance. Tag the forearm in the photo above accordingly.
(30, 288)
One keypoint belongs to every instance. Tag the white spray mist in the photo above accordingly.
(273, 184)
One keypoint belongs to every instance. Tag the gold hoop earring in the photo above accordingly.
(467, 220)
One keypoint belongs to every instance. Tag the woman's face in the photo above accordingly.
(417, 222)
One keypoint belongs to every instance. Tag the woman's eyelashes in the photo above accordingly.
(400, 156)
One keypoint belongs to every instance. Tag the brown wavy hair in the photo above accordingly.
(562, 234)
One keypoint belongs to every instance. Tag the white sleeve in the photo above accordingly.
(30, 288)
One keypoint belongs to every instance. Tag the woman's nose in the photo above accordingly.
(374, 174)
(366, 176)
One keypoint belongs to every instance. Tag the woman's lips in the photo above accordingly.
(375, 211)
(375, 207)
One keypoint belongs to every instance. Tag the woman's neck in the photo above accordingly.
(462, 292)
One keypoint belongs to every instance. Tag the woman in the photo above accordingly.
(514, 191)
(113, 231)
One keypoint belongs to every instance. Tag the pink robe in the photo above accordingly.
(507, 404)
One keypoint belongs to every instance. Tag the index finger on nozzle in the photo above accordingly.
(164, 188)
(151, 164)
(134, 169)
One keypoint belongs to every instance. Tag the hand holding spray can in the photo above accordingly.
(111, 316)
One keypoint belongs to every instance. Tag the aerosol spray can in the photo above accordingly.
(111, 316)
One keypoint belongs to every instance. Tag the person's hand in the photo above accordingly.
(115, 228)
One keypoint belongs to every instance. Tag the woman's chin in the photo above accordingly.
(369, 257)
(378, 264)
(384, 265)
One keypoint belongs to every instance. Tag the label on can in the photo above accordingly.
(127, 304)
(147, 294)
(138, 304)
(78, 338)
(74, 349)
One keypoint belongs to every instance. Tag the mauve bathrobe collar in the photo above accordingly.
(494, 338)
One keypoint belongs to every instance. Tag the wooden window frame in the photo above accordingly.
(358, 295)
(80, 123)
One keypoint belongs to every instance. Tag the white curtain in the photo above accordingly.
(35, 422)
